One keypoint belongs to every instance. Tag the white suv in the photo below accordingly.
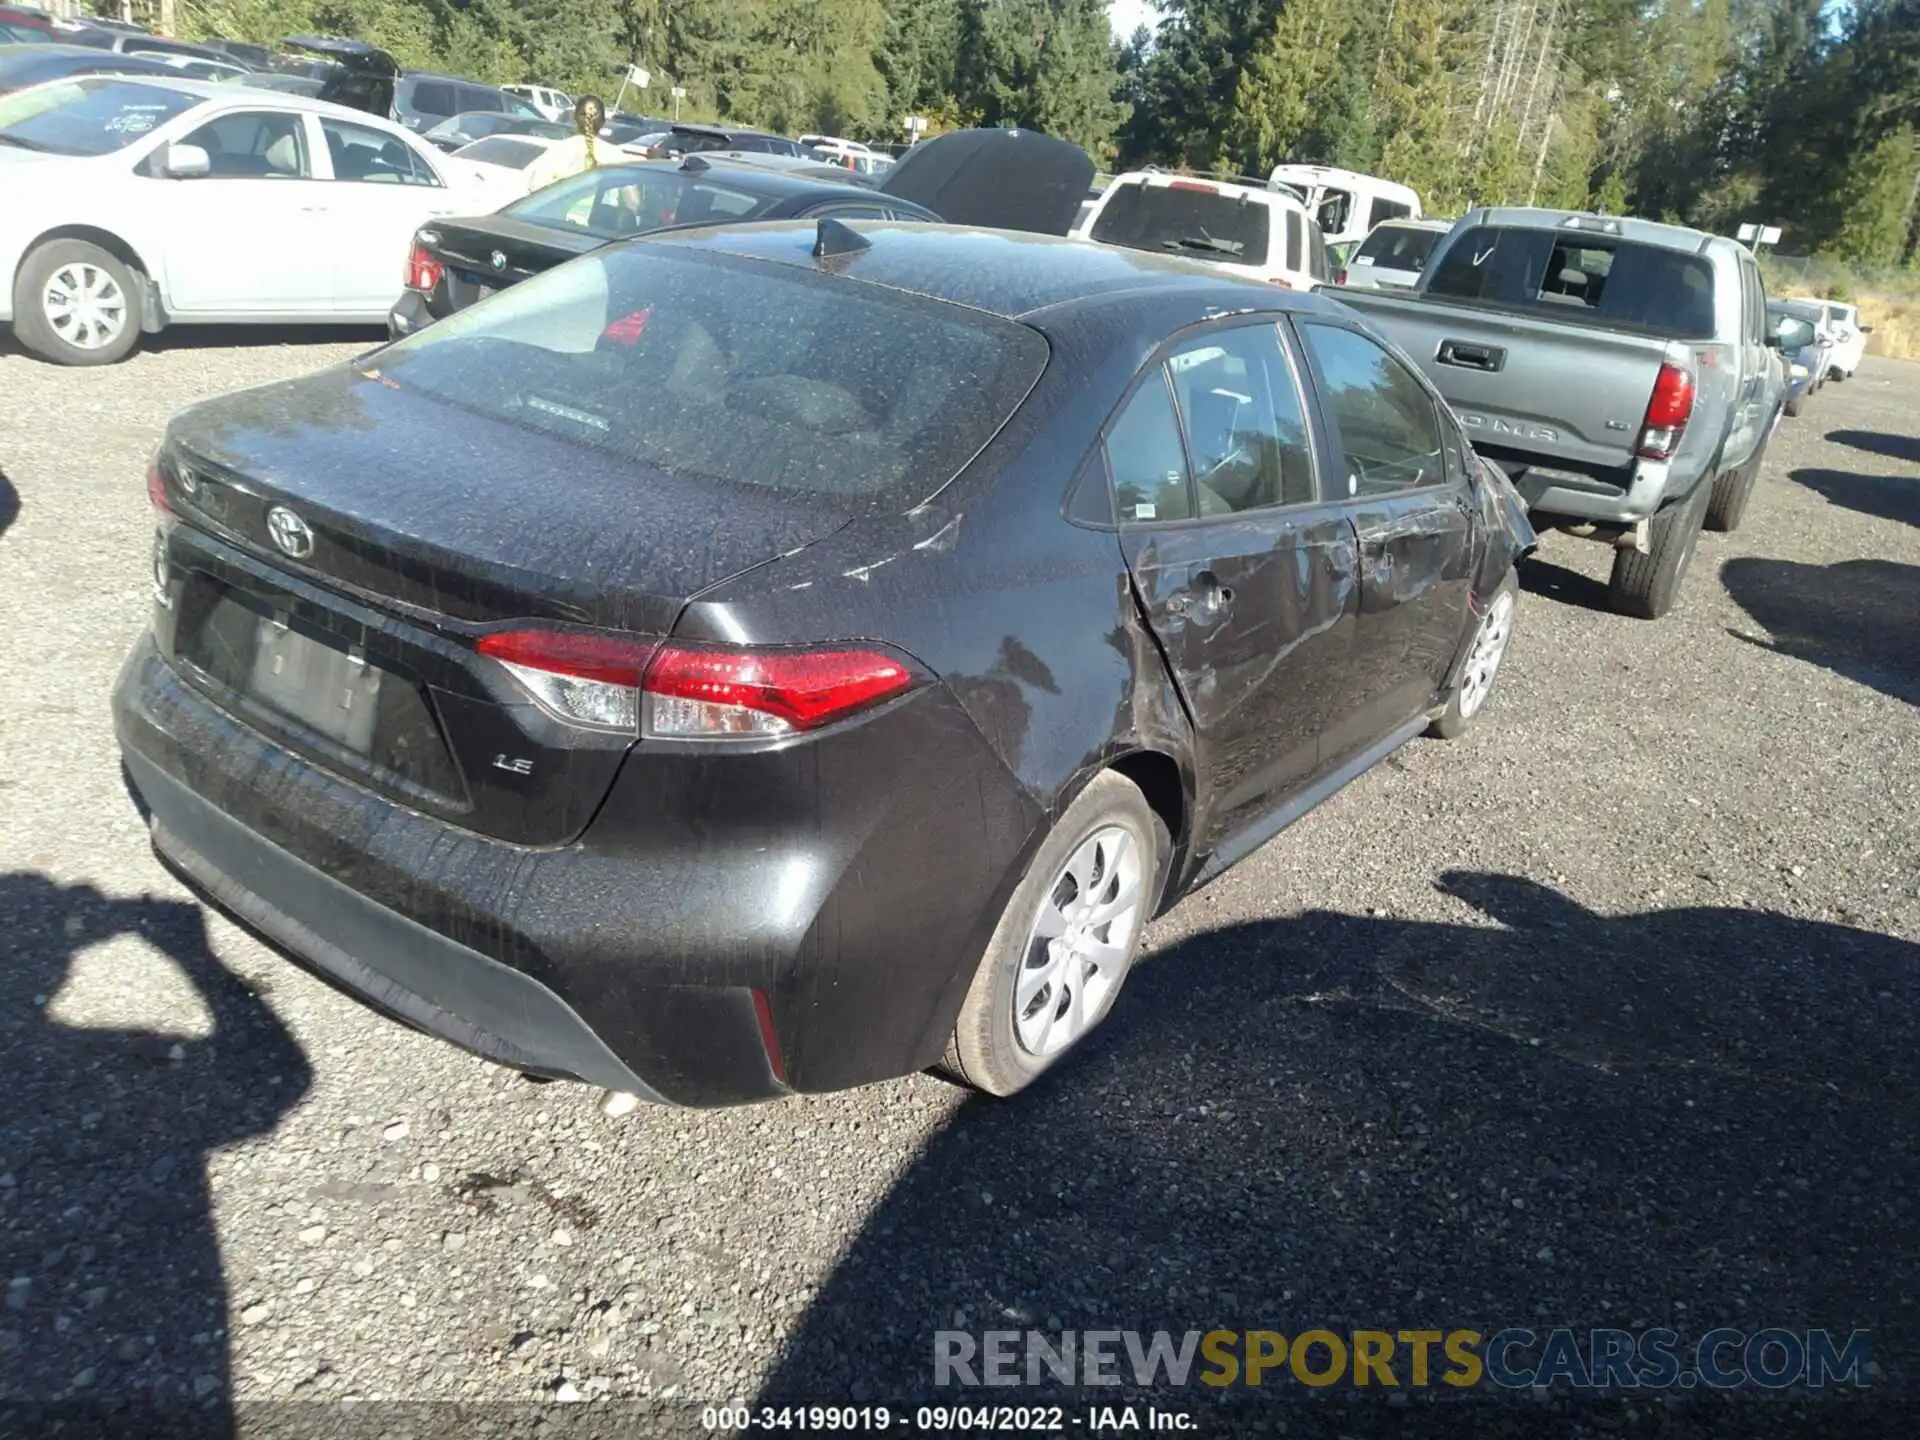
(1240, 227)
(552, 104)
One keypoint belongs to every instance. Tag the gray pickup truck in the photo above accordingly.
(1625, 373)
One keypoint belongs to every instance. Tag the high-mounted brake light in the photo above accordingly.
(423, 271)
(693, 692)
(1193, 185)
(1667, 414)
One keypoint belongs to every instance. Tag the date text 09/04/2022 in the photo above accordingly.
(944, 1419)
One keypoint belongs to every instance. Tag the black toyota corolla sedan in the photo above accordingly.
(781, 657)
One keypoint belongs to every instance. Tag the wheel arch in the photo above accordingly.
(1169, 793)
(114, 245)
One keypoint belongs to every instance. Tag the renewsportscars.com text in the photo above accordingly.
(1774, 1358)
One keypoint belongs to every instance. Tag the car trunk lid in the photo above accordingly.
(997, 179)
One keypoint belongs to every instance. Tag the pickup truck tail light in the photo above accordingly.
(1667, 414)
(1339, 277)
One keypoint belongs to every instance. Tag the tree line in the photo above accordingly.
(1802, 113)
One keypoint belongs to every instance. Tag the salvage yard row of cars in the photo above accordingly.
(758, 628)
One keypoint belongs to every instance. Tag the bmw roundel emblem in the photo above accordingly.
(290, 532)
(498, 259)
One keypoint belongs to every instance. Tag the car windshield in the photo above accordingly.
(1398, 247)
(734, 372)
(627, 200)
(93, 116)
(1580, 276)
(1186, 217)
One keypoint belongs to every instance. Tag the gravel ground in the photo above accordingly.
(1601, 1017)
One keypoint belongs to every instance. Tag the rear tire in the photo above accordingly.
(76, 304)
(1797, 404)
(1732, 491)
(1482, 666)
(1647, 586)
(1105, 857)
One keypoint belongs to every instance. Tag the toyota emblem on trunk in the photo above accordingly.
(290, 532)
(499, 259)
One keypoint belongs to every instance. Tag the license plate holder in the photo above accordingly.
(333, 691)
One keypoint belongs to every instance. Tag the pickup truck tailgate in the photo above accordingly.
(1563, 393)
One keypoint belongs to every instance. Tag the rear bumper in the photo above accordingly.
(1565, 495)
(409, 313)
(821, 892)
(393, 964)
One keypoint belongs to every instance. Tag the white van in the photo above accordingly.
(1347, 205)
(554, 104)
(1258, 233)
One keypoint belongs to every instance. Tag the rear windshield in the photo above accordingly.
(503, 150)
(95, 116)
(1399, 247)
(627, 200)
(1580, 276)
(1185, 218)
(737, 372)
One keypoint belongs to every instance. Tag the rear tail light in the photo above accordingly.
(157, 486)
(423, 271)
(693, 692)
(591, 680)
(701, 692)
(1340, 277)
(1667, 414)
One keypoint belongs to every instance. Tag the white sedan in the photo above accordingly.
(136, 202)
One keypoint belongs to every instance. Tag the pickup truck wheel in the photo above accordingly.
(1731, 492)
(75, 304)
(1484, 653)
(1065, 942)
(1646, 586)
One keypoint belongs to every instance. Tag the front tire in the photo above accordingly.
(1064, 945)
(1485, 652)
(1732, 490)
(76, 304)
(1647, 586)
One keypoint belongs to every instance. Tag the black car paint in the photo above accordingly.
(465, 247)
(841, 875)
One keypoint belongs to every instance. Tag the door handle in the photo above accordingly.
(1207, 603)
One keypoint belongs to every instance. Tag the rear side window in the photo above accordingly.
(371, 156)
(1398, 247)
(1145, 459)
(434, 97)
(473, 97)
(1580, 275)
(1295, 235)
(1184, 218)
(720, 372)
(1385, 209)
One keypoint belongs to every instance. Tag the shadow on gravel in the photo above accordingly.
(1899, 447)
(1542, 577)
(1887, 497)
(116, 1310)
(9, 503)
(1687, 1118)
(1857, 618)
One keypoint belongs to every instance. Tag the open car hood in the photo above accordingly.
(361, 77)
(998, 179)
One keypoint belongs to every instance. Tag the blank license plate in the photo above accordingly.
(330, 690)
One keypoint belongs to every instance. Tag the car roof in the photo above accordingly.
(1004, 272)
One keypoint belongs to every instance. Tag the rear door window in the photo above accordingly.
(734, 373)
(1387, 428)
(1580, 276)
(1244, 420)
(1185, 217)
(1146, 461)
(434, 97)
(615, 201)
(1295, 240)
(361, 153)
(477, 97)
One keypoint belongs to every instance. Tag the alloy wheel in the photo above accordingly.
(1489, 648)
(1081, 942)
(84, 306)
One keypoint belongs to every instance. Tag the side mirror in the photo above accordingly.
(185, 162)
(1789, 334)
